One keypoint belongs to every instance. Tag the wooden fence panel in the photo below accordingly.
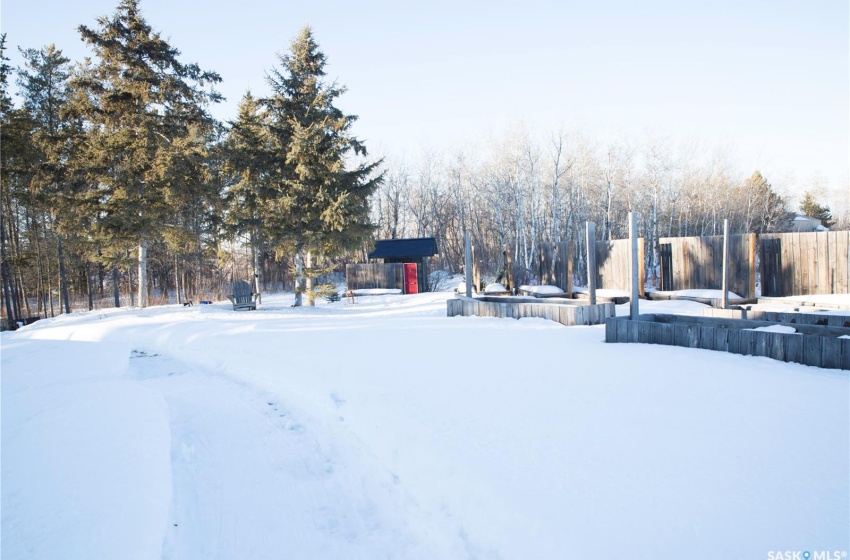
(665, 253)
(613, 265)
(554, 265)
(697, 263)
(770, 265)
(822, 265)
(374, 276)
(838, 253)
(805, 263)
(805, 271)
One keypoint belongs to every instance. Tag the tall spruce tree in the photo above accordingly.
(813, 209)
(43, 83)
(138, 99)
(322, 204)
(249, 167)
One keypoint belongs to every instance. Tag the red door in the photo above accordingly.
(411, 281)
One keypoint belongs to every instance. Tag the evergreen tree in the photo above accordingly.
(249, 168)
(139, 101)
(192, 194)
(809, 206)
(43, 83)
(322, 205)
(7, 139)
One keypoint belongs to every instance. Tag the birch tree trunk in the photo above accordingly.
(299, 277)
(143, 273)
(311, 295)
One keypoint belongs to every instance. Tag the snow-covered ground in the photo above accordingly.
(384, 429)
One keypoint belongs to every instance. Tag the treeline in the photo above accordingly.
(524, 191)
(118, 187)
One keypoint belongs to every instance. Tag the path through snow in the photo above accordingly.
(253, 479)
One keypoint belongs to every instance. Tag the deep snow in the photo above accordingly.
(384, 429)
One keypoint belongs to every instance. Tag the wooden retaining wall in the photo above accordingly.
(374, 276)
(566, 314)
(804, 263)
(786, 318)
(800, 318)
(697, 263)
(819, 346)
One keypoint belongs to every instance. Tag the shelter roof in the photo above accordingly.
(401, 248)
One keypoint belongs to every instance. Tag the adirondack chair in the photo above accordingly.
(243, 296)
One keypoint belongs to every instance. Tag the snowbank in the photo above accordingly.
(86, 453)
(495, 288)
(542, 290)
(206, 433)
(776, 329)
(376, 291)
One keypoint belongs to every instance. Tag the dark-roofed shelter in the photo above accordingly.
(412, 254)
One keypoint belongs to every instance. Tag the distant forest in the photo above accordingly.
(117, 186)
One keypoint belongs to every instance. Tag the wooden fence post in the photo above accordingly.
(642, 266)
(476, 271)
(510, 271)
(467, 257)
(633, 299)
(752, 287)
(591, 261)
(726, 264)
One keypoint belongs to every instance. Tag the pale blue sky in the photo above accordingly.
(768, 77)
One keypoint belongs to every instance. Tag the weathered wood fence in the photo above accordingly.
(804, 263)
(821, 346)
(374, 276)
(555, 265)
(697, 263)
(613, 265)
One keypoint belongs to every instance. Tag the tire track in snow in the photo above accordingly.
(253, 479)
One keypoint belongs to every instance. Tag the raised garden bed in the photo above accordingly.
(813, 345)
(787, 317)
(712, 301)
(568, 312)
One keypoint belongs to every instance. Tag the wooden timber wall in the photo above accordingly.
(805, 263)
(697, 263)
(374, 276)
(555, 266)
(800, 318)
(614, 264)
(785, 317)
(568, 315)
(820, 346)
